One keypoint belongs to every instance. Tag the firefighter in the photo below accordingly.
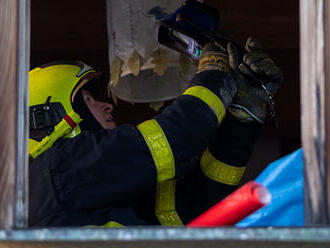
(86, 171)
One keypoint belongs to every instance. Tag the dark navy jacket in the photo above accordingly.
(109, 175)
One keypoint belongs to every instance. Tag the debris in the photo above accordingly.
(160, 59)
(115, 70)
(156, 105)
(134, 63)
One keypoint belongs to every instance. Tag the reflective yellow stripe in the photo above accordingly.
(219, 171)
(209, 98)
(164, 160)
(165, 204)
(32, 144)
(74, 132)
(110, 224)
(60, 130)
(160, 149)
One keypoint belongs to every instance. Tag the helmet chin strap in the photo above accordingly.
(67, 126)
(64, 127)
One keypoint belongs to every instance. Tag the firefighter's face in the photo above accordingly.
(102, 111)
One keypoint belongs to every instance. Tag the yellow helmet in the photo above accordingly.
(52, 90)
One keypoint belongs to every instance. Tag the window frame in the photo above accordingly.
(315, 84)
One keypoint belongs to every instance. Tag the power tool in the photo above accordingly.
(189, 28)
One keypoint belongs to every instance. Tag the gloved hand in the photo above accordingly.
(214, 57)
(250, 103)
(214, 71)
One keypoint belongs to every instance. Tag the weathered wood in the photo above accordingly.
(8, 79)
(315, 107)
(14, 47)
(327, 99)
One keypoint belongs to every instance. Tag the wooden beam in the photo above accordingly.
(8, 79)
(14, 48)
(315, 108)
(327, 99)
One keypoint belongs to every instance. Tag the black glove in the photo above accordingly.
(250, 103)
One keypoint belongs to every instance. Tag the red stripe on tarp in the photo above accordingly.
(70, 121)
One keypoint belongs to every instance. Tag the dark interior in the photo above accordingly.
(76, 29)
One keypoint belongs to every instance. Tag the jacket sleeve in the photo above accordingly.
(105, 167)
(177, 137)
(221, 168)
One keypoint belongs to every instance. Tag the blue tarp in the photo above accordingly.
(285, 181)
